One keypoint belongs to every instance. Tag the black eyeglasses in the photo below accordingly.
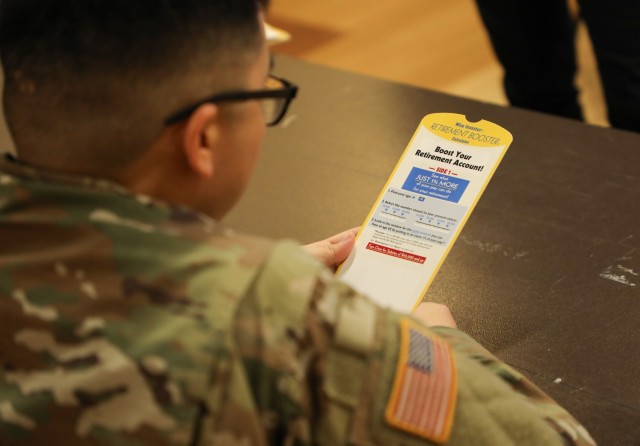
(274, 99)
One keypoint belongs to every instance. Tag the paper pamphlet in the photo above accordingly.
(423, 207)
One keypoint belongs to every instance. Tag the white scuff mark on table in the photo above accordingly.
(482, 246)
(628, 237)
(495, 247)
(614, 274)
(557, 380)
(520, 254)
(579, 389)
(626, 256)
(556, 283)
(627, 270)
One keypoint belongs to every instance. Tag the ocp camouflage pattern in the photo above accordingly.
(125, 321)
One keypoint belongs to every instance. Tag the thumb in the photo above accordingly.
(334, 250)
(342, 249)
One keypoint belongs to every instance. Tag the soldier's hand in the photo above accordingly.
(434, 315)
(334, 250)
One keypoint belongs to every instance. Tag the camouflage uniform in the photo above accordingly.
(127, 322)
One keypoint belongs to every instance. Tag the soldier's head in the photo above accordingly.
(90, 85)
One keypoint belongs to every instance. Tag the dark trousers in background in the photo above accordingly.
(535, 43)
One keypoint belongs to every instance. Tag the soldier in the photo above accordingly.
(129, 318)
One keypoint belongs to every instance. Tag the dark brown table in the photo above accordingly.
(544, 274)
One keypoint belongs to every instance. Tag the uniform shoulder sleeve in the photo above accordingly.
(325, 365)
(556, 416)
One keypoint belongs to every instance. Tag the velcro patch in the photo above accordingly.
(423, 397)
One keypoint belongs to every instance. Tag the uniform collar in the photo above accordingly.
(13, 170)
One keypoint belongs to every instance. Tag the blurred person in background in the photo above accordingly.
(535, 43)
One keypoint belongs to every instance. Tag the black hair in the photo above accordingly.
(101, 61)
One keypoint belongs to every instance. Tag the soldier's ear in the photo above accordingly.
(201, 138)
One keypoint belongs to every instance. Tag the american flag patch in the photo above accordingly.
(423, 397)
